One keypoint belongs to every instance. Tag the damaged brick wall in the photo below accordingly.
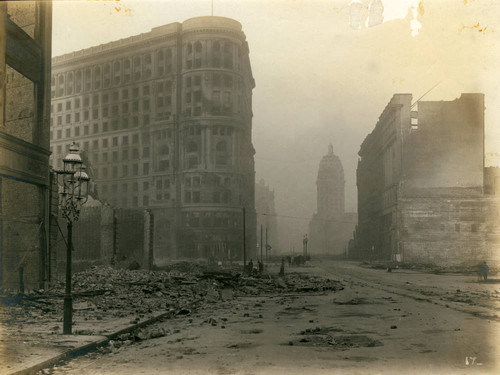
(449, 231)
(104, 236)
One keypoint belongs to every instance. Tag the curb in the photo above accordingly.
(81, 350)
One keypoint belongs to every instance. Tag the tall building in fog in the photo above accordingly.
(166, 119)
(330, 228)
(266, 217)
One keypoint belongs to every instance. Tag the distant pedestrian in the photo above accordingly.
(250, 267)
(282, 268)
(261, 267)
(483, 269)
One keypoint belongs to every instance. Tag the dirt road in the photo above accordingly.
(376, 325)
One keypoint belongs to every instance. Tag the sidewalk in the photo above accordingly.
(27, 347)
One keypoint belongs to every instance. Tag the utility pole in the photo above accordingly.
(261, 243)
(267, 248)
(244, 243)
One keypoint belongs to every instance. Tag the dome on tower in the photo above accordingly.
(330, 166)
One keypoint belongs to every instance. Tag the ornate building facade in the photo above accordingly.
(166, 119)
(331, 227)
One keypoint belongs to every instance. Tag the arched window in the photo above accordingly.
(78, 81)
(97, 77)
(189, 48)
(197, 47)
(87, 76)
(70, 83)
(60, 85)
(216, 54)
(228, 56)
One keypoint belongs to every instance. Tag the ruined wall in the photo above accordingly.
(130, 228)
(104, 236)
(453, 231)
(447, 149)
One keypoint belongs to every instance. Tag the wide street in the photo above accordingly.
(381, 322)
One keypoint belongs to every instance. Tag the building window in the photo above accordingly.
(163, 165)
(187, 197)
(96, 128)
(145, 168)
(196, 197)
(216, 197)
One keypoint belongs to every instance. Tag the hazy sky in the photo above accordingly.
(318, 80)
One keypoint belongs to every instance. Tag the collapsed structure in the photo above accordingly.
(331, 227)
(420, 185)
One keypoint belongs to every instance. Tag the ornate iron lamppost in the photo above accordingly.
(74, 184)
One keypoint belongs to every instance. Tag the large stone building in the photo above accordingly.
(331, 227)
(266, 219)
(166, 119)
(420, 185)
(25, 49)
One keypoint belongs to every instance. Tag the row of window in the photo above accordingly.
(119, 72)
(212, 219)
(221, 55)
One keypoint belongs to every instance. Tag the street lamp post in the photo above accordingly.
(73, 181)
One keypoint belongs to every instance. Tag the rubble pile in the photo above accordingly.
(103, 292)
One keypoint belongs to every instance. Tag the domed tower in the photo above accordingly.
(330, 186)
(327, 230)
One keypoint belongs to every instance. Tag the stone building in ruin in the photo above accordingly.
(420, 178)
(25, 49)
(331, 227)
(166, 120)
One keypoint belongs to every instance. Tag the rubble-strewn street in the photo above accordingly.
(221, 323)
(106, 300)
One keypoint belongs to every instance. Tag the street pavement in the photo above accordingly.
(380, 323)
